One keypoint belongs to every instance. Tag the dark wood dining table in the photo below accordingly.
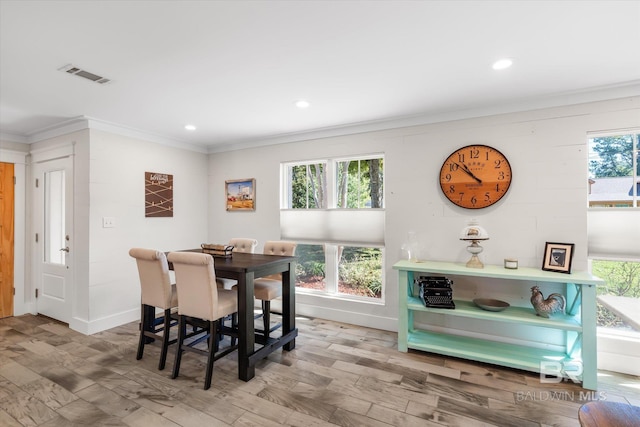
(244, 268)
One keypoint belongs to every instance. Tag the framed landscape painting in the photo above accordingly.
(240, 194)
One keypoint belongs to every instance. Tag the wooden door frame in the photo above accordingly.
(7, 239)
(22, 304)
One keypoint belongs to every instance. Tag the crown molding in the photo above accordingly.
(603, 93)
(83, 122)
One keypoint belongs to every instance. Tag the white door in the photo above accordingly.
(53, 216)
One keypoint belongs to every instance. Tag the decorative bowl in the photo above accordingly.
(491, 304)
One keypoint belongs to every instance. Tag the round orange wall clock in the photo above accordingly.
(475, 176)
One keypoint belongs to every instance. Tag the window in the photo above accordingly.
(614, 171)
(334, 209)
(306, 186)
(613, 222)
(619, 298)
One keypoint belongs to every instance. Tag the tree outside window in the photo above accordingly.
(614, 171)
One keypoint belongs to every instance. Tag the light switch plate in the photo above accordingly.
(108, 222)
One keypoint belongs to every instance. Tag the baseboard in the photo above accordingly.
(99, 325)
(350, 317)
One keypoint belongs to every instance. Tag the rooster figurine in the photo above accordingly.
(555, 303)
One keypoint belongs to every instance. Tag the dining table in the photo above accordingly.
(245, 268)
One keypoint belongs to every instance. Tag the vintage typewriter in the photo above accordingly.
(435, 291)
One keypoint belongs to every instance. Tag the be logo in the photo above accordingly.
(554, 371)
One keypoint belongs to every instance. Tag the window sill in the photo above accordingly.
(338, 297)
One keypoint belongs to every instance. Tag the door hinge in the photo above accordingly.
(36, 182)
(36, 292)
(36, 237)
(14, 291)
(14, 180)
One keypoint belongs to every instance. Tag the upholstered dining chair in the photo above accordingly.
(200, 301)
(240, 244)
(157, 291)
(269, 288)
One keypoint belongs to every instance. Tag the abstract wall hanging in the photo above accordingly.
(158, 194)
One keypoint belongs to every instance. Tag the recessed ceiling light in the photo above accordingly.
(502, 64)
(189, 127)
(302, 104)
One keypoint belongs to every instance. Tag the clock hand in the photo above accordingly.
(466, 170)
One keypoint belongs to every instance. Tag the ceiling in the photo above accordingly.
(234, 69)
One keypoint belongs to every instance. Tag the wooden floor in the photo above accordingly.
(338, 374)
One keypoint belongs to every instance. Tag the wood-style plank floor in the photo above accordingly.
(339, 374)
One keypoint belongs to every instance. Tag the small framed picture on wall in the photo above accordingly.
(240, 194)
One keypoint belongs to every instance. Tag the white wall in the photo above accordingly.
(547, 200)
(116, 189)
(109, 181)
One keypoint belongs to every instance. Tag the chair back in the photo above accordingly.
(155, 282)
(241, 244)
(279, 247)
(196, 284)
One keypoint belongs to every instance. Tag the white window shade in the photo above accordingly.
(614, 233)
(358, 227)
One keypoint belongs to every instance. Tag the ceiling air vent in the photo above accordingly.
(72, 69)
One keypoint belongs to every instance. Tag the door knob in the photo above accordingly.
(65, 249)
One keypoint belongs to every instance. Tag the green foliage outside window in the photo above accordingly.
(360, 270)
(614, 156)
(622, 278)
(308, 186)
(360, 183)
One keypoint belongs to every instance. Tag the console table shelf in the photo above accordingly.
(578, 324)
(497, 353)
(520, 315)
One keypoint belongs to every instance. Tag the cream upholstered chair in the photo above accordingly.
(270, 287)
(243, 244)
(157, 291)
(202, 302)
(240, 244)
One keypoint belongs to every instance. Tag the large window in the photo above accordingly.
(614, 252)
(333, 208)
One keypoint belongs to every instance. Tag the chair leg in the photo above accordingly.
(165, 339)
(213, 344)
(182, 330)
(266, 318)
(143, 327)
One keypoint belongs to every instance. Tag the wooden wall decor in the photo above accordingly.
(158, 194)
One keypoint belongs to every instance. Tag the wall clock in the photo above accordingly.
(475, 176)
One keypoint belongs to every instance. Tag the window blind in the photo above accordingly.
(614, 233)
(357, 227)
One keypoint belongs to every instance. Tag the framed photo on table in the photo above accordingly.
(558, 257)
(240, 194)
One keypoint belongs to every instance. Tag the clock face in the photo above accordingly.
(475, 176)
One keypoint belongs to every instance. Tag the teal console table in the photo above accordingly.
(578, 324)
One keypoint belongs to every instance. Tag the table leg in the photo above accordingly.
(289, 304)
(246, 332)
